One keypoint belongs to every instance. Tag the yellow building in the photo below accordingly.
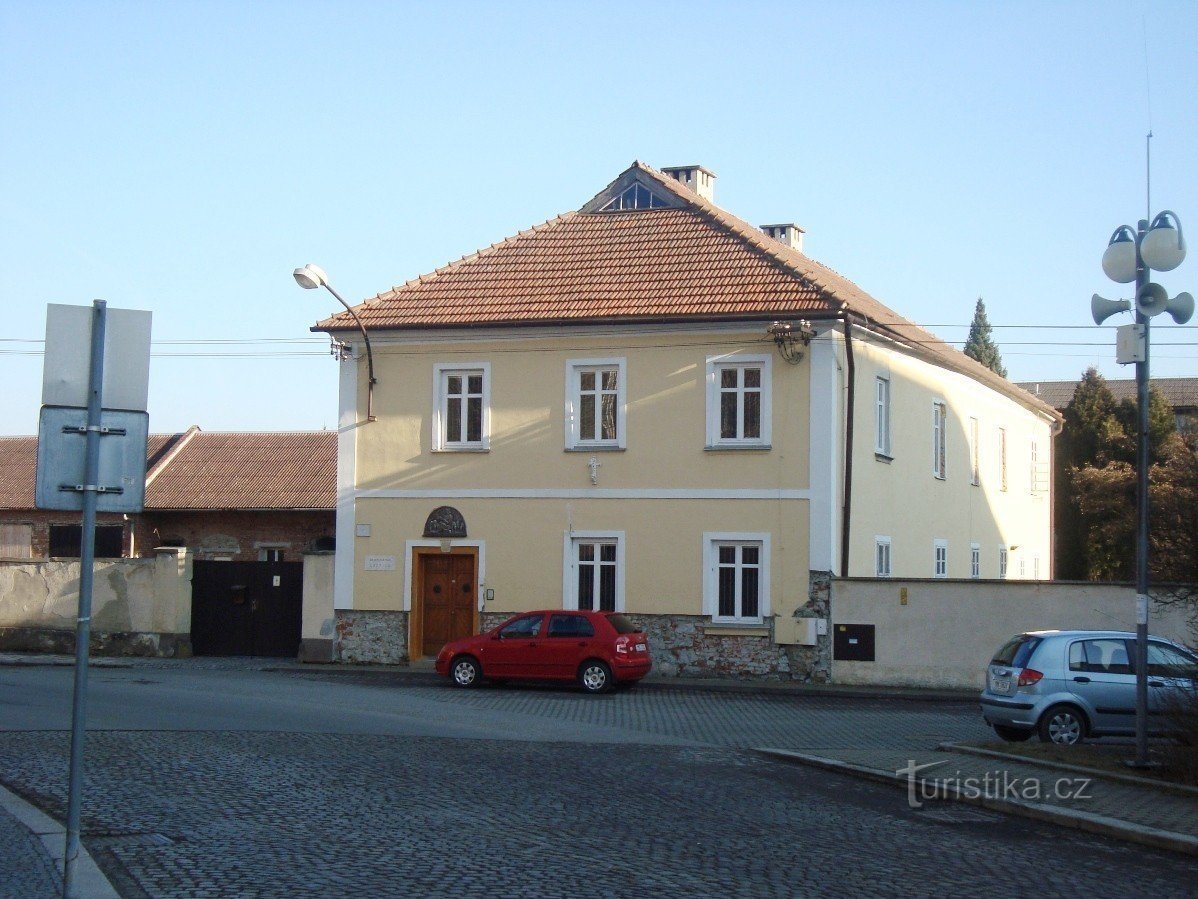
(650, 406)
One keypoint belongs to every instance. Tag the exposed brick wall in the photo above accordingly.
(40, 520)
(234, 534)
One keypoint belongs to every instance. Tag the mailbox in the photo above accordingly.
(853, 642)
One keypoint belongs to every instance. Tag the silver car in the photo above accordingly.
(1068, 685)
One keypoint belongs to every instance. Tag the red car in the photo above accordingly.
(598, 649)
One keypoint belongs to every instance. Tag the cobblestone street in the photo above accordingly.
(583, 806)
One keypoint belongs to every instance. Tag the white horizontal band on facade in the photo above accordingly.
(584, 493)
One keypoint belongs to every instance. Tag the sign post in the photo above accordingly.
(104, 472)
(87, 559)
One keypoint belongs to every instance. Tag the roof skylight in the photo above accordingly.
(635, 196)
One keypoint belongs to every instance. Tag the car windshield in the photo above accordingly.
(623, 625)
(1016, 651)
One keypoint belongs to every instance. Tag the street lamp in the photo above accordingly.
(310, 277)
(1131, 256)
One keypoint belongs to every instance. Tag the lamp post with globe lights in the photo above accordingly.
(1131, 256)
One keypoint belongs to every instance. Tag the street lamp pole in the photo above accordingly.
(1130, 257)
(310, 277)
(1144, 324)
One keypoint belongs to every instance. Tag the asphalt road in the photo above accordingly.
(250, 783)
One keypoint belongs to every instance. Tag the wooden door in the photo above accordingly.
(448, 600)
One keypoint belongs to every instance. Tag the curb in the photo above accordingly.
(711, 685)
(90, 882)
(1077, 820)
(1130, 779)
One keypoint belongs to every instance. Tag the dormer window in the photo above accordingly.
(635, 196)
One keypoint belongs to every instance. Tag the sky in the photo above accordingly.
(185, 157)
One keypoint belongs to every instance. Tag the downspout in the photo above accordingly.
(850, 403)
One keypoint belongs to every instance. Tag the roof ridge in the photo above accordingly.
(795, 263)
(170, 452)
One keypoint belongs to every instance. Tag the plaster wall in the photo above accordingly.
(947, 631)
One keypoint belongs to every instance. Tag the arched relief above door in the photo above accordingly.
(445, 521)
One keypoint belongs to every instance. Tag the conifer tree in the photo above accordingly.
(981, 345)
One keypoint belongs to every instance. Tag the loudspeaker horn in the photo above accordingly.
(1102, 308)
(1181, 307)
(1152, 299)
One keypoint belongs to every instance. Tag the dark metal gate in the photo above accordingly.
(246, 608)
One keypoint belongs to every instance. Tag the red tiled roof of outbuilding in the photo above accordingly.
(18, 467)
(255, 470)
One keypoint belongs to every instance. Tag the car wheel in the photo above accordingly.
(1012, 734)
(595, 677)
(1064, 725)
(466, 672)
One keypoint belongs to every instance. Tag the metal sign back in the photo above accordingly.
(121, 484)
(126, 357)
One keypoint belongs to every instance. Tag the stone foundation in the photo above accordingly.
(100, 643)
(681, 645)
(371, 638)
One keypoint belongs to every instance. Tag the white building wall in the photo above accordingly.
(901, 497)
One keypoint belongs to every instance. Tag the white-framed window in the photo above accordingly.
(1036, 567)
(1023, 568)
(736, 582)
(939, 439)
(594, 571)
(271, 552)
(1033, 463)
(940, 556)
(461, 406)
(882, 416)
(1002, 459)
(975, 468)
(1002, 563)
(881, 557)
(595, 404)
(738, 401)
(975, 560)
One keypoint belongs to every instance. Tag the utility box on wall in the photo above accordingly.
(790, 631)
(853, 642)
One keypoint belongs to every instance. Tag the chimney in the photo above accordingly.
(697, 178)
(789, 234)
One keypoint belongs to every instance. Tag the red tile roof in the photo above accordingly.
(213, 470)
(690, 262)
(202, 470)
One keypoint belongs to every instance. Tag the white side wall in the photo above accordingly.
(947, 631)
(901, 498)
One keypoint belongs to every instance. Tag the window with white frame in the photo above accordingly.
(1002, 458)
(940, 555)
(595, 404)
(736, 578)
(975, 560)
(882, 416)
(1002, 562)
(738, 401)
(881, 557)
(939, 439)
(1036, 567)
(975, 473)
(594, 568)
(462, 406)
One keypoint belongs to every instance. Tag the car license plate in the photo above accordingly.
(1000, 684)
(641, 647)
